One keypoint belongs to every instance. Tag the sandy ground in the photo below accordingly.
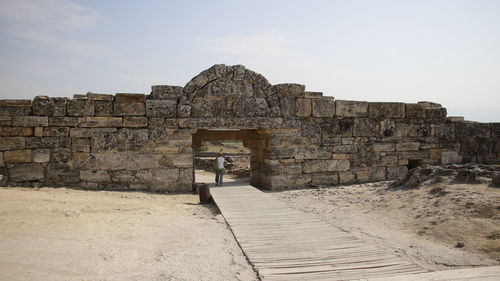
(65, 234)
(426, 225)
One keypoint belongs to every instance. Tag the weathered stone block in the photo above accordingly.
(103, 108)
(130, 139)
(80, 133)
(16, 131)
(287, 106)
(389, 160)
(48, 142)
(104, 140)
(467, 144)
(41, 155)
(344, 108)
(84, 161)
(55, 131)
(64, 121)
(450, 157)
(15, 107)
(379, 147)
(61, 174)
(337, 156)
(184, 111)
(12, 143)
(378, 174)
(165, 108)
(135, 109)
(347, 177)
(333, 127)
(94, 176)
(324, 107)
(396, 172)
(18, 156)
(30, 121)
(46, 106)
(80, 108)
(465, 129)
(327, 178)
(99, 97)
(166, 175)
(80, 144)
(101, 122)
(435, 115)
(289, 90)
(383, 110)
(407, 146)
(455, 119)
(165, 92)
(362, 176)
(415, 155)
(315, 166)
(60, 155)
(135, 122)
(112, 161)
(314, 95)
(177, 161)
(25, 172)
(130, 98)
(415, 111)
(2, 162)
(444, 131)
(5, 121)
(364, 127)
(435, 153)
(348, 148)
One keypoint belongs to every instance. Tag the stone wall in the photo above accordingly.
(145, 142)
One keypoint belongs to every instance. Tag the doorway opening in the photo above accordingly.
(244, 149)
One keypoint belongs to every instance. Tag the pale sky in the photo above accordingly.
(408, 51)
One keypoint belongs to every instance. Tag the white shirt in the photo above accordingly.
(220, 162)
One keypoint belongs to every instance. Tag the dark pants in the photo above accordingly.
(218, 177)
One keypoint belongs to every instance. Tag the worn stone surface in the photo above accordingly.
(135, 122)
(328, 178)
(12, 143)
(46, 106)
(165, 92)
(103, 108)
(18, 156)
(303, 107)
(346, 108)
(25, 172)
(289, 90)
(450, 157)
(30, 121)
(48, 142)
(16, 131)
(15, 107)
(54, 131)
(80, 108)
(383, 110)
(165, 108)
(41, 155)
(101, 122)
(323, 107)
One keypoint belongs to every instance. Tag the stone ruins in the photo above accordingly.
(297, 138)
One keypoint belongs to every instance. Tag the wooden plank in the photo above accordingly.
(283, 243)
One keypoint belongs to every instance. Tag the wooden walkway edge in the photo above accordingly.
(283, 243)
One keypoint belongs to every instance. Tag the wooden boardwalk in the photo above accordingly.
(283, 243)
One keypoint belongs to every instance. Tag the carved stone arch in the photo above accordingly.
(230, 91)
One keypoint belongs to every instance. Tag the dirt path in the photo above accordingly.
(65, 234)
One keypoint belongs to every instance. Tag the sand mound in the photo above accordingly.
(428, 175)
